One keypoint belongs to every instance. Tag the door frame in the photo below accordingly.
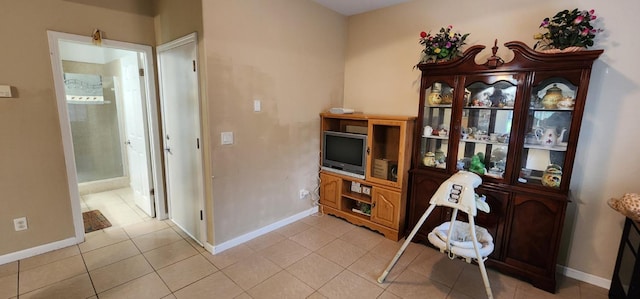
(181, 41)
(155, 148)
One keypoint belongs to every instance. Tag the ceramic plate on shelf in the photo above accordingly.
(499, 153)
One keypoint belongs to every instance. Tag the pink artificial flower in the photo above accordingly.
(448, 45)
(593, 17)
(591, 12)
(578, 20)
(585, 32)
(544, 23)
(450, 27)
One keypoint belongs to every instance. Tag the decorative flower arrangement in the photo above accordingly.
(442, 46)
(567, 29)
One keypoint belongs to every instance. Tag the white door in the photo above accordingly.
(179, 97)
(136, 142)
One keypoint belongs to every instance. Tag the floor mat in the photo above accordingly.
(94, 220)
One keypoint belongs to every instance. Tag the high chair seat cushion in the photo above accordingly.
(461, 240)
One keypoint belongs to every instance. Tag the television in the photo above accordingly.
(344, 153)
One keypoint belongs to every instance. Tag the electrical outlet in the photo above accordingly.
(20, 223)
(303, 193)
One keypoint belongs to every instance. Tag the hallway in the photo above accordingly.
(117, 206)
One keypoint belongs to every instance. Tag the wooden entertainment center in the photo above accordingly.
(377, 201)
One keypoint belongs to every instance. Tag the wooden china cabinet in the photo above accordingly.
(517, 125)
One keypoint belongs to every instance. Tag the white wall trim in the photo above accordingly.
(65, 130)
(582, 276)
(259, 232)
(33, 251)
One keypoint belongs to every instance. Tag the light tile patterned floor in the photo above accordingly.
(317, 257)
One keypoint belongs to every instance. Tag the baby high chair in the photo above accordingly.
(457, 238)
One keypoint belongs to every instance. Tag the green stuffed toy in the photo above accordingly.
(476, 164)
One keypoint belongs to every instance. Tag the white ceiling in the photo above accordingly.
(353, 7)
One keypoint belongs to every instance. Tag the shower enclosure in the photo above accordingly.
(95, 125)
(104, 100)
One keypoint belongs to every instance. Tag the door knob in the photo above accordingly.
(128, 142)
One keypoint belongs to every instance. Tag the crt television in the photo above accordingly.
(344, 153)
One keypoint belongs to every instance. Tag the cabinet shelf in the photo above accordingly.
(360, 214)
(357, 197)
(549, 148)
(487, 108)
(484, 142)
(551, 110)
(436, 137)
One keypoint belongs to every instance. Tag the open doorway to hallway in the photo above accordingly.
(108, 116)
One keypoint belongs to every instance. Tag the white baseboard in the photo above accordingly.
(23, 254)
(259, 232)
(582, 276)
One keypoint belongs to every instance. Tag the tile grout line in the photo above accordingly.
(198, 253)
(18, 282)
(140, 253)
(95, 292)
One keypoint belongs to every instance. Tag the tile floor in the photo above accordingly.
(319, 256)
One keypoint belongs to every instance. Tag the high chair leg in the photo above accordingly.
(483, 270)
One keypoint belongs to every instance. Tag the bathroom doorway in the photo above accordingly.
(108, 117)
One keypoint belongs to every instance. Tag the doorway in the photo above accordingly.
(108, 118)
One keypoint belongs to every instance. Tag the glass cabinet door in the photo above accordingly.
(485, 129)
(436, 125)
(385, 164)
(548, 123)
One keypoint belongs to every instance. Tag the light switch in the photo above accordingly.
(5, 91)
(227, 137)
(257, 106)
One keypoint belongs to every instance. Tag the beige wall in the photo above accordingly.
(290, 55)
(174, 19)
(383, 47)
(33, 180)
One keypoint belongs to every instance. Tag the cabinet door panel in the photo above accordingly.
(492, 221)
(436, 112)
(330, 190)
(535, 232)
(486, 125)
(385, 208)
(423, 188)
(548, 132)
(386, 148)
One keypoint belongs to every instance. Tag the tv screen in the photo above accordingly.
(344, 153)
